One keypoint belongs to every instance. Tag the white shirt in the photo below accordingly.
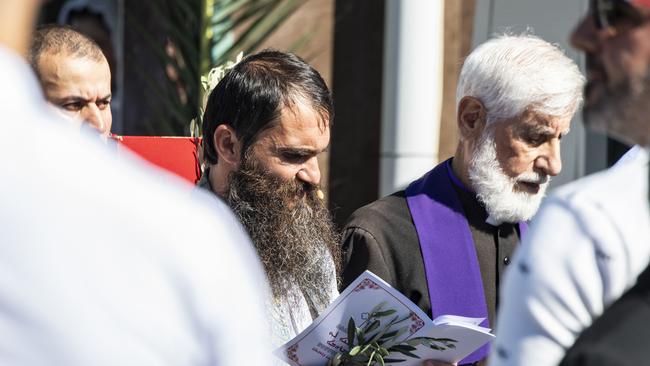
(108, 262)
(289, 317)
(586, 247)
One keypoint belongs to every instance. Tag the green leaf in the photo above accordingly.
(382, 314)
(360, 336)
(401, 332)
(392, 321)
(404, 347)
(355, 350)
(372, 326)
(446, 340)
(406, 317)
(378, 307)
(335, 361)
(371, 359)
(389, 334)
(365, 349)
(374, 338)
(351, 328)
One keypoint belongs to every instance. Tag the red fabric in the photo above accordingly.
(645, 3)
(178, 155)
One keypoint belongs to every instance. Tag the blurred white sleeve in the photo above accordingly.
(553, 290)
(586, 247)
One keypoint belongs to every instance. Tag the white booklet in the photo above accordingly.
(392, 319)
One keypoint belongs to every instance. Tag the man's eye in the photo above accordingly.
(73, 107)
(294, 158)
(103, 104)
(535, 140)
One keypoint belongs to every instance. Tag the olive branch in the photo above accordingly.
(375, 342)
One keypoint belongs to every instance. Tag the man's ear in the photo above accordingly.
(471, 117)
(227, 145)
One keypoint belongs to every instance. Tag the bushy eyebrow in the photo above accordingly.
(71, 99)
(540, 129)
(299, 151)
(76, 98)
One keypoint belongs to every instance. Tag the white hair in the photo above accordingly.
(512, 73)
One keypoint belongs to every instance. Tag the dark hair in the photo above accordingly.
(250, 97)
(62, 39)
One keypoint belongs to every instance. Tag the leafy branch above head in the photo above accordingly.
(371, 343)
(208, 82)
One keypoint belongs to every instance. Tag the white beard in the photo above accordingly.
(496, 190)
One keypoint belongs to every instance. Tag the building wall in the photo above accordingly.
(357, 85)
(459, 25)
(359, 80)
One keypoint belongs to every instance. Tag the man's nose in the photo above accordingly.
(587, 37)
(310, 172)
(550, 162)
(93, 116)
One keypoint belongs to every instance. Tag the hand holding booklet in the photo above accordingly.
(371, 320)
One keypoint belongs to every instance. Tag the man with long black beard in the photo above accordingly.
(447, 238)
(265, 124)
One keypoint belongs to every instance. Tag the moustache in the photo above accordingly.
(533, 178)
(309, 190)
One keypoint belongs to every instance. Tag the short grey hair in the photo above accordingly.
(62, 39)
(513, 73)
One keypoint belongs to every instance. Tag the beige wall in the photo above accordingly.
(459, 21)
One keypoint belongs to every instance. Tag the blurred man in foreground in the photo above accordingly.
(265, 124)
(119, 276)
(445, 241)
(587, 254)
(74, 74)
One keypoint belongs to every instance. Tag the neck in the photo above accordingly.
(460, 167)
(17, 18)
(219, 179)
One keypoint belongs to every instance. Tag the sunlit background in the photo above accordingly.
(392, 66)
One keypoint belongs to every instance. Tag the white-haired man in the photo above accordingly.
(445, 240)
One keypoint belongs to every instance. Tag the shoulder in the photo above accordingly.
(615, 199)
(602, 219)
(383, 214)
(624, 181)
(154, 211)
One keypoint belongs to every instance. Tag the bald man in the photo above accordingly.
(74, 74)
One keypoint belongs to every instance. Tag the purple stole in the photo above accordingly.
(448, 251)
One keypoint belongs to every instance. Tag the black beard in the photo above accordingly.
(291, 229)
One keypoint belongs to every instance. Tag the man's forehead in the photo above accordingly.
(74, 75)
(542, 122)
(303, 114)
(66, 64)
